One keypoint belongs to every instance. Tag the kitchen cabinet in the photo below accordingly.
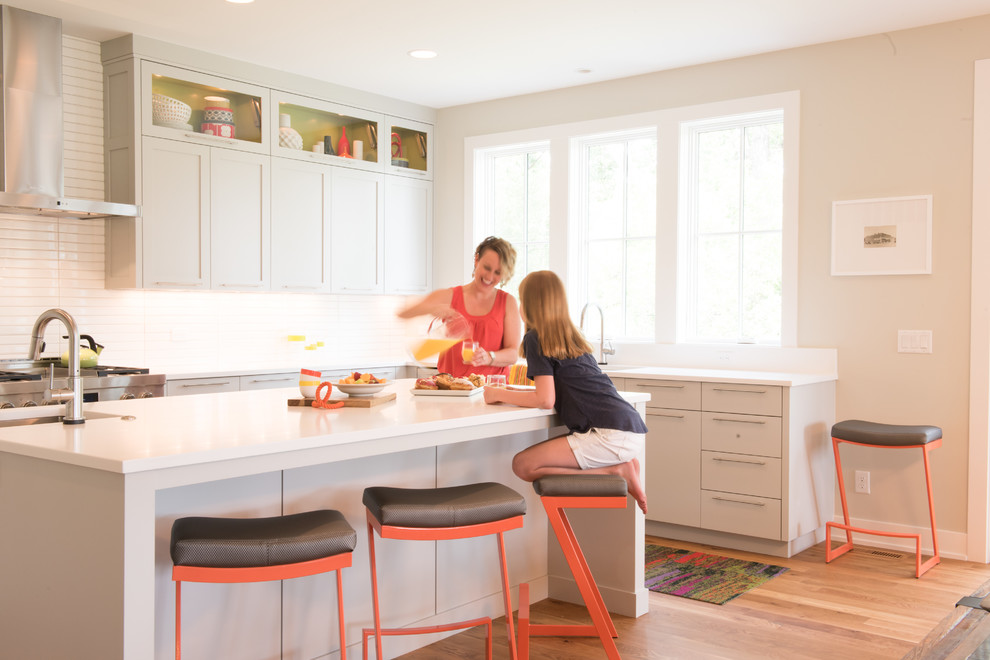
(411, 148)
(356, 228)
(314, 120)
(240, 221)
(300, 226)
(408, 235)
(741, 465)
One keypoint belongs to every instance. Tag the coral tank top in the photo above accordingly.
(487, 330)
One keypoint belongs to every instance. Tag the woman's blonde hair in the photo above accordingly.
(506, 255)
(544, 308)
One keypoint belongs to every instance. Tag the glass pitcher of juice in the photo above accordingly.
(443, 334)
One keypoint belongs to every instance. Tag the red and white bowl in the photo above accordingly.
(217, 128)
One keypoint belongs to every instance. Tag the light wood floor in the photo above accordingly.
(866, 605)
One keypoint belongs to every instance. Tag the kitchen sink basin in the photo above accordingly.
(8, 419)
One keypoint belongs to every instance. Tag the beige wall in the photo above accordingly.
(881, 116)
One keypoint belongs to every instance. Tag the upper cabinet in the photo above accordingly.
(410, 150)
(179, 104)
(310, 129)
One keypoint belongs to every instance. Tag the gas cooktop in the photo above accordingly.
(14, 376)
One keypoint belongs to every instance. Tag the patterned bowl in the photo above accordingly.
(221, 115)
(165, 109)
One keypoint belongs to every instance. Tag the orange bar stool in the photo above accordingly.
(258, 550)
(574, 491)
(871, 434)
(437, 514)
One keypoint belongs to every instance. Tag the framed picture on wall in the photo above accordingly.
(884, 236)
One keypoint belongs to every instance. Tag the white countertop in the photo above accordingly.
(181, 431)
(752, 377)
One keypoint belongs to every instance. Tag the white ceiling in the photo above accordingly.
(491, 50)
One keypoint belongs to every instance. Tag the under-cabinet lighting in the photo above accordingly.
(240, 2)
(422, 54)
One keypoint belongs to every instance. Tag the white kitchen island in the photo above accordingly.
(86, 513)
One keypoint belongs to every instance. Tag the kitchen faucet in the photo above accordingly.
(602, 350)
(74, 396)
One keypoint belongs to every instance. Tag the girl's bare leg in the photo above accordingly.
(554, 456)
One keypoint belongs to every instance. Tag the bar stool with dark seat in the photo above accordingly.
(232, 550)
(436, 514)
(574, 491)
(872, 434)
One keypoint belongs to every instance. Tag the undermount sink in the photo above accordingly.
(31, 416)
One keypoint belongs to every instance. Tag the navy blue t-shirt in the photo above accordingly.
(585, 397)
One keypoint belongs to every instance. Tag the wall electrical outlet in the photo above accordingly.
(862, 481)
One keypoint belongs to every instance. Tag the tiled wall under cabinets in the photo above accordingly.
(46, 262)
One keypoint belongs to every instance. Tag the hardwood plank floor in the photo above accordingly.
(866, 605)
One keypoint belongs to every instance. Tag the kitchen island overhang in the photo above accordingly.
(208, 443)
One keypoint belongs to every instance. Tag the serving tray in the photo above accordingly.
(351, 401)
(461, 393)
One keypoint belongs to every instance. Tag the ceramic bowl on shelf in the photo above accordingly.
(165, 109)
(217, 128)
(221, 115)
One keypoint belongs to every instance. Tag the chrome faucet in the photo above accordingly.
(73, 397)
(605, 347)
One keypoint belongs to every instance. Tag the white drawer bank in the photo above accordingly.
(739, 460)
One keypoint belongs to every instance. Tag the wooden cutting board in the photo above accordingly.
(351, 401)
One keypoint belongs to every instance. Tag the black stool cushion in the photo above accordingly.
(253, 542)
(580, 485)
(454, 506)
(891, 435)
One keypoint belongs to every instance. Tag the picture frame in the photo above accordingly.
(882, 236)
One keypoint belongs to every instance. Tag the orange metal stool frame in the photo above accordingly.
(335, 562)
(559, 492)
(870, 434)
(456, 531)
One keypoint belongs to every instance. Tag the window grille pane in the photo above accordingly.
(606, 188)
(538, 191)
(642, 205)
(640, 289)
(763, 206)
(605, 286)
(718, 180)
(718, 288)
(761, 304)
(509, 198)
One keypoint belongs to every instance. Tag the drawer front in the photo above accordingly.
(269, 381)
(739, 514)
(745, 399)
(739, 473)
(741, 434)
(681, 394)
(673, 471)
(186, 386)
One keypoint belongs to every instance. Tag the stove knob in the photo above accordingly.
(146, 395)
(30, 404)
(5, 405)
(126, 396)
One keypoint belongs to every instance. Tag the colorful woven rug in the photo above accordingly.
(701, 576)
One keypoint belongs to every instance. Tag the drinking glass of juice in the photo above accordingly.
(468, 349)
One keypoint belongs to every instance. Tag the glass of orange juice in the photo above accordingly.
(495, 380)
(468, 349)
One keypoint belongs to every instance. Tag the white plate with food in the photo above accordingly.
(360, 389)
(461, 393)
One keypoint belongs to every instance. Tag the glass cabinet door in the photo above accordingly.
(310, 129)
(179, 104)
(410, 148)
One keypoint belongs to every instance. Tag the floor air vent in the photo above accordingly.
(888, 555)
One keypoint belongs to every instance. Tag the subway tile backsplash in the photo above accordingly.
(46, 262)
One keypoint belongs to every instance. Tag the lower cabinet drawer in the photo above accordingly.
(740, 473)
(741, 434)
(680, 394)
(186, 386)
(741, 514)
(269, 381)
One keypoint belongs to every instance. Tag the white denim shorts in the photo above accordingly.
(603, 447)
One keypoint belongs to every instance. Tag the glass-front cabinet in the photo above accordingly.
(410, 148)
(179, 104)
(305, 128)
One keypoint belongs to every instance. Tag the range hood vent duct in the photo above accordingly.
(32, 137)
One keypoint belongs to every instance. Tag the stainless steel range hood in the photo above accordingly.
(31, 141)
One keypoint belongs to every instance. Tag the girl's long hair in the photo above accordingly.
(544, 307)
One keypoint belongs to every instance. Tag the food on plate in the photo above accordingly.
(358, 378)
(443, 381)
(461, 384)
(425, 384)
(447, 382)
(477, 380)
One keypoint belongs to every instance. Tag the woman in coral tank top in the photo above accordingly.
(491, 313)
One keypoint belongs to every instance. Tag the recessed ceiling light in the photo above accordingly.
(422, 54)
(584, 70)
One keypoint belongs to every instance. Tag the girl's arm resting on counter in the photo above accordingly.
(543, 396)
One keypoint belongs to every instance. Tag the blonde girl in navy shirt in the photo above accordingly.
(606, 434)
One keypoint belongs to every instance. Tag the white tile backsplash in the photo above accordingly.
(46, 262)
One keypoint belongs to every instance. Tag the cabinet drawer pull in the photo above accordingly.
(299, 286)
(741, 421)
(667, 415)
(243, 286)
(729, 389)
(214, 138)
(738, 460)
(659, 387)
(728, 499)
(269, 380)
(226, 382)
(179, 283)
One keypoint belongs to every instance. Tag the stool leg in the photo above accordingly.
(585, 581)
(340, 616)
(374, 597)
(507, 594)
(178, 620)
(935, 559)
(523, 639)
(831, 554)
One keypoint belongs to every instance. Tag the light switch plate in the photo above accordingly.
(914, 341)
